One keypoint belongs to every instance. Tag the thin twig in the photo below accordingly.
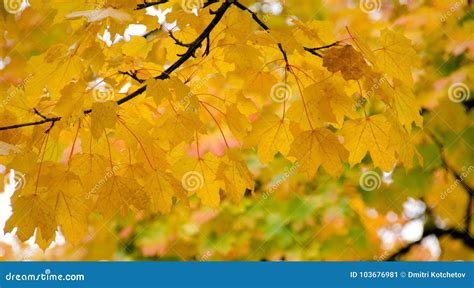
(145, 4)
(254, 15)
(314, 50)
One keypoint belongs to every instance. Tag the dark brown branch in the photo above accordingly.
(465, 235)
(189, 53)
(177, 41)
(165, 75)
(132, 75)
(149, 33)
(47, 120)
(145, 4)
(314, 50)
(458, 178)
(445, 164)
(39, 114)
(208, 47)
(254, 15)
(453, 233)
(285, 56)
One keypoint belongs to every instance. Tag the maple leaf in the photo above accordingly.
(104, 115)
(199, 176)
(120, 193)
(178, 114)
(236, 176)
(70, 205)
(347, 60)
(32, 212)
(162, 188)
(369, 135)
(271, 134)
(405, 105)
(396, 56)
(325, 102)
(318, 147)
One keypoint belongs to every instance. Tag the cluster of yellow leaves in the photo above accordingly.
(206, 118)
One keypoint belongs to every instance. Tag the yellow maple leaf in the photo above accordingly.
(161, 188)
(136, 47)
(369, 134)
(318, 147)
(347, 60)
(271, 134)
(405, 104)
(198, 175)
(120, 193)
(237, 122)
(71, 205)
(104, 115)
(396, 56)
(326, 102)
(32, 211)
(236, 176)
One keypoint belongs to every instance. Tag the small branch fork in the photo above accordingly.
(315, 52)
(146, 4)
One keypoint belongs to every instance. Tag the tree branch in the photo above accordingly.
(164, 75)
(459, 179)
(254, 15)
(438, 232)
(145, 4)
(189, 53)
(47, 120)
(314, 50)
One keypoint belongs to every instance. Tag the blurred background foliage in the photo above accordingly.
(409, 217)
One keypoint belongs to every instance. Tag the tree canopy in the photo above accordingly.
(239, 129)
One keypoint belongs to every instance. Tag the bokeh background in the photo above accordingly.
(422, 214)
